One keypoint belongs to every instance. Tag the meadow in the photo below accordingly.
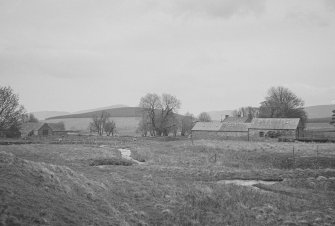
(82, 182)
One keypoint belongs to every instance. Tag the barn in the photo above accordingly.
(259, 129)
(41, 129)
(275, 128)
(206, 130)
(234, 131)
(220, 130)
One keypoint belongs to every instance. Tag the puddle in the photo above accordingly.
(125, 153)
(249, 183)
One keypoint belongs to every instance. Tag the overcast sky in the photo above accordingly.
(212, 54)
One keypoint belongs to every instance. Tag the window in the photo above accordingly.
(45, 132)
(261, 134)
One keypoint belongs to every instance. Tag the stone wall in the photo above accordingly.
(268, 135)
(208, 135)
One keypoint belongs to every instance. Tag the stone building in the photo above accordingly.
(274, 129)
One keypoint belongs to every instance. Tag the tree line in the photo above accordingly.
(280, 102)
(160, 113)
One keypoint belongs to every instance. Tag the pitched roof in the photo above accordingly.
(234, 127)
(237, 119)
(56, 126)
(29, 126)
(207, 126)
(275, 123)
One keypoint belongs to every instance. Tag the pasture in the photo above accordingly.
(179, 183)
(124, 125)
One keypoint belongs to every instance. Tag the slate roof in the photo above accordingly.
(29, 126)
(207, 126)
(56, 126)
(237, 119)
(234, 127)
(275, 123)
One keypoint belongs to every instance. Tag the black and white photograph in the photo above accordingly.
(167, 112)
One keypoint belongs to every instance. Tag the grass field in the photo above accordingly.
(178, 184)
(124, 125)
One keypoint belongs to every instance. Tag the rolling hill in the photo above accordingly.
(41, 115)
(100, 109)
(319, 111)
(114, 112)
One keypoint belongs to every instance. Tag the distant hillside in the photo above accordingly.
(100, 109)
(319, 111)
(114, 112)
(41, 115)
(217, 115)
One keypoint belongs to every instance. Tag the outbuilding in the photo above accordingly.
(206, 130)
(41, 129)
(234, 131)
(275, 128)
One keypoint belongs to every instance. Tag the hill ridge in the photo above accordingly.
(114, 112)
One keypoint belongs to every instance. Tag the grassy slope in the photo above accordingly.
(114, 112)
(319, 111)
(177, 184)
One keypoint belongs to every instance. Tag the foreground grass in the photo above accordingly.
(177, 185)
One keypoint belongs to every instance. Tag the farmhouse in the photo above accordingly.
(259, 129)
(41, 129)
(220, 130)
(274, 128)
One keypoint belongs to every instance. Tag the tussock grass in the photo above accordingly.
(178, 184)
(111, 161)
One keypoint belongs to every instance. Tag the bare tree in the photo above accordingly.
(110, 127)
(159, 114)
(150, 103)
(98, 123)
(29, 118)
(204, 117)
(282, 103)
(249, 111)
(168, 121)
(10, 110)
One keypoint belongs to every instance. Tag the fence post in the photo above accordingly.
(317, 156)
(293, 158)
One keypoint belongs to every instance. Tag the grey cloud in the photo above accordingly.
(219, 8)
(307, 19)
(330, 4)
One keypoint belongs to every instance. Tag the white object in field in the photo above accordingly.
(125, 153)
(247, 182)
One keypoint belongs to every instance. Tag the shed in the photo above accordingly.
(220, 130)
(30, 128)
(206, 130)
(41, 129)
(45, 130)
(269, 128)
